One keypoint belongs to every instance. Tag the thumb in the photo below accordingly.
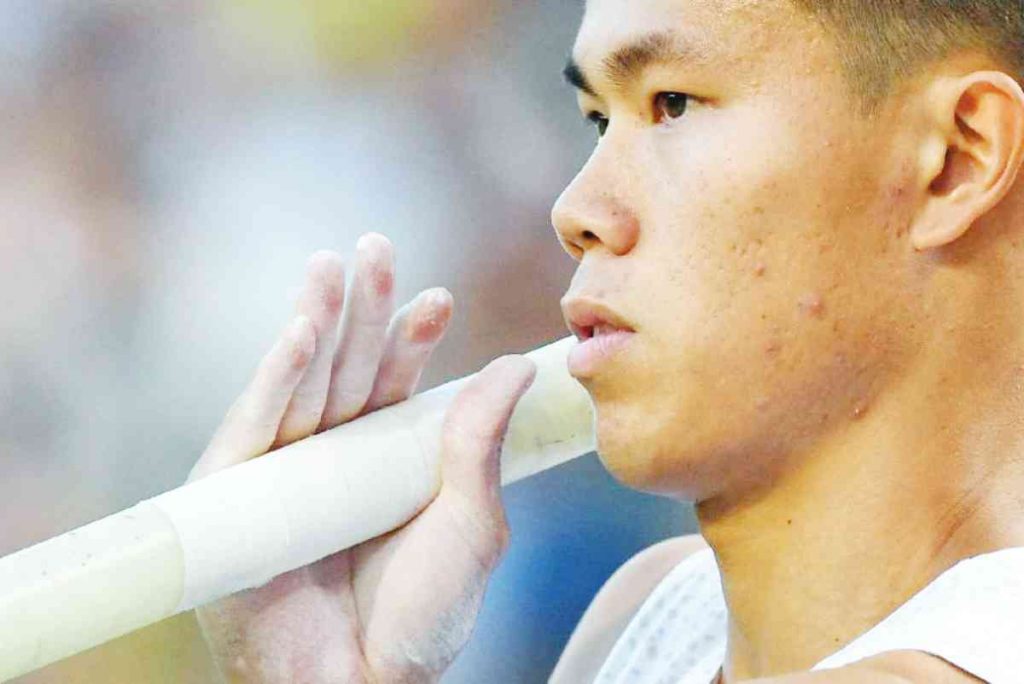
(474, 431)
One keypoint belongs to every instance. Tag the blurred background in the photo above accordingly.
(167, 166)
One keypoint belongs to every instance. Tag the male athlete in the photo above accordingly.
(805, 221)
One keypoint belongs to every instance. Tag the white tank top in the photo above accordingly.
(972, 615)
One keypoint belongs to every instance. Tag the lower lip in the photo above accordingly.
(587, 356)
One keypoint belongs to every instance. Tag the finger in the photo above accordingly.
(414, 333)
(251, 424)
(474, 431)
(363, 330)
(321, 302)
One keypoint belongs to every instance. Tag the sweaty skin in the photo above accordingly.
(828, 355)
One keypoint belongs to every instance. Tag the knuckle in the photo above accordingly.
(299, 353)
(503, 540)
(345, 406)
(492, 549)
(298, 426)
(371, 323)
(496, 547)
(333, 300)
(388, 398)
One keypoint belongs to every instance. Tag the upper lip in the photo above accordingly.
(582, 315)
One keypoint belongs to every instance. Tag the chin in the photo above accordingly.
(651, 453)
(629, 451)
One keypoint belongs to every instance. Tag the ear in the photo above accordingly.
(971, 155)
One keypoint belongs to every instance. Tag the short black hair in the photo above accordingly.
(882, 43)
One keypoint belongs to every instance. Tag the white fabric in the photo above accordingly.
(972, 616)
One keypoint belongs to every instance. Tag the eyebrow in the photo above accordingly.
(630, 60)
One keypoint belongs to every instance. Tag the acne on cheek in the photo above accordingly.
(751, 253)
(809, 306)
(812, 305)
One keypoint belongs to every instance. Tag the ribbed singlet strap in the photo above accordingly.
(972, 615)
(678, 634)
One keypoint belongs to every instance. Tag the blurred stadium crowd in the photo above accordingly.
(166, 166)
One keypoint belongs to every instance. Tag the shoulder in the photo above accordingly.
(616, 604)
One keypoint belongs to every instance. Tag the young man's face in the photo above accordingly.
(753, 236)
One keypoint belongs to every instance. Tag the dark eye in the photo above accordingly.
(670, 105)
(599, 120)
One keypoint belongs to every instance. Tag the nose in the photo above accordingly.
(589, 215)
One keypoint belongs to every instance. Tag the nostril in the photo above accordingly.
(587, 235)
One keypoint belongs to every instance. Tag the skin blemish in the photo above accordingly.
(859, 410)
(811, 305)
(773, 347)
(759, 269)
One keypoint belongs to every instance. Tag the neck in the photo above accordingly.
(881, 507)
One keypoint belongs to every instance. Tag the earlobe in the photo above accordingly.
(973, 156)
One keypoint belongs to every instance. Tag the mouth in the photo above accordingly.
(601, 330)
(588, 318)
(587, 332)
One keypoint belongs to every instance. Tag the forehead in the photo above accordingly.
(737, 32)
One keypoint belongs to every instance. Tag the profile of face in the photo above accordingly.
(742, 216)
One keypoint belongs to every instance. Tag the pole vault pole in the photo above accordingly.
(243, 526)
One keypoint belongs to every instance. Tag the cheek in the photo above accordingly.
(758, 236)
(763, 330)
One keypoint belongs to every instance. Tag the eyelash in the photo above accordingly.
(600, 121)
